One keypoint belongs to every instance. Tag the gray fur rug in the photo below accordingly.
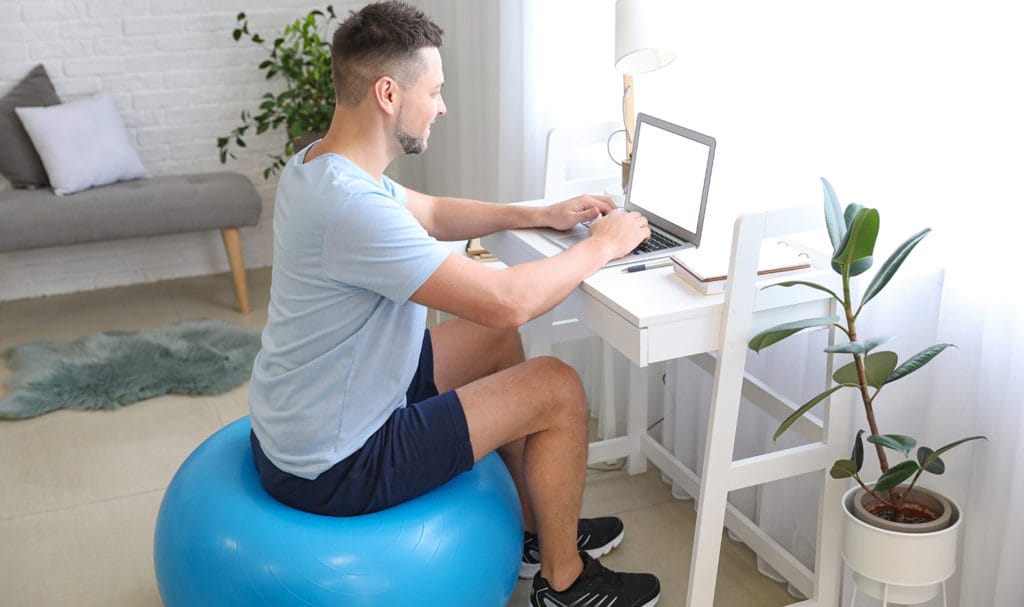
(112, 369)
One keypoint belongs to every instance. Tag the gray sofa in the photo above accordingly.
(31, 219)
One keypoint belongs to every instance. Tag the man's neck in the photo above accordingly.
(356, 137)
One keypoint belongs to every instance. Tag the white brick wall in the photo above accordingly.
(180, 81)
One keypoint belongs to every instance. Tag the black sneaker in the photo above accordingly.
(598, 586)
(595, 536)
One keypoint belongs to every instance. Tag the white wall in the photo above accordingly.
(180, 81)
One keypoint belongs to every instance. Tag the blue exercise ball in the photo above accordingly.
(222, 540)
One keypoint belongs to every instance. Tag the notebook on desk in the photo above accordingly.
(668, 184)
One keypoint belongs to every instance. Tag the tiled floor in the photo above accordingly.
(79, 491)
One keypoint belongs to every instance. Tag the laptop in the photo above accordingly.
(668, 184)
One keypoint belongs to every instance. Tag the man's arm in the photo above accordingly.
(461, 219)
(510, 297)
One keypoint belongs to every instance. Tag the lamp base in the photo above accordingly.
(626, 164)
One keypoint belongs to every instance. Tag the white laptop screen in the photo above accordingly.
(670, 176)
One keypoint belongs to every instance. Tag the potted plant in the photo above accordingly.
(899, 539)
(305, 107)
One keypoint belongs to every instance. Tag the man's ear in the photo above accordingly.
(385, 93)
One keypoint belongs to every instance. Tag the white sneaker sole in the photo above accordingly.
(528, 570)
(650, 603)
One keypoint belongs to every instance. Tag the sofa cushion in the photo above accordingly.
(19, 162)
(82, 143)
(130, 209)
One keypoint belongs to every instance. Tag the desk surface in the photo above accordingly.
(654, 315)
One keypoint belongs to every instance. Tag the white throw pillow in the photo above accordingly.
(82, 143)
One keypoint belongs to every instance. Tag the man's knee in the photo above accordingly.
(560, 383)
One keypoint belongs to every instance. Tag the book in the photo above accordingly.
(706, 269)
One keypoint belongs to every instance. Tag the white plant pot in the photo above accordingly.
(905, 568)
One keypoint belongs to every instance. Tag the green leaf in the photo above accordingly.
(851, 211)
(858, 244)
(793, 283)
(935, 455)
(896, 475)
(877, 367)
(223, 156)
(240, 16)
(857, 347)
(843, 468)
(857, 457)
(789, 421)
(779, 332)
(237, 34)
(935, 465)
(240, 142)
(915, 362)
(257, 39)
(222, 141)
(295, 130)
(888, 269)
(896, 442)
(833, 216)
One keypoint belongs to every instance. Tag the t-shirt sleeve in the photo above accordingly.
(375, 243)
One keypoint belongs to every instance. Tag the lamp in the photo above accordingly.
(642, 44)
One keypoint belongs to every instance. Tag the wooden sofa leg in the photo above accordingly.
(233, 247)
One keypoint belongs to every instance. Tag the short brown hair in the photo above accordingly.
(382, 39)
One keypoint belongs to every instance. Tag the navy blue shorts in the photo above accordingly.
(419, 448)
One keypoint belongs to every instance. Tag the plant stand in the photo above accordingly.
(903, 568)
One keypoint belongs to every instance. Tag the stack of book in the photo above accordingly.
(706, 269)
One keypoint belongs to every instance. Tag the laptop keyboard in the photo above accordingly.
(656, 242)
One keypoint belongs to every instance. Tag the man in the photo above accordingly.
(355, 407)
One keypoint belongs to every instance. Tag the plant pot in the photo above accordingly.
(898, 565)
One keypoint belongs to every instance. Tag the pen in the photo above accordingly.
(640, 267)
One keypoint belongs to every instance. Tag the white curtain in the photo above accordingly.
(912, 107)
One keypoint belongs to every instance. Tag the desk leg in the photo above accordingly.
(636, 421)
(606, 422)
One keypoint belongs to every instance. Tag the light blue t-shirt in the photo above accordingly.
(342, 340)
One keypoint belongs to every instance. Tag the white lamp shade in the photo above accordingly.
(642, 43)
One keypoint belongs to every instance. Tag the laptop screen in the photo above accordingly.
(670, 176)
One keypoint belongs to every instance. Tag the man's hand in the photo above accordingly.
(620, 231)
(564, 215)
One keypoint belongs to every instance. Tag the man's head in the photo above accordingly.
(398, 43)
(382, 39)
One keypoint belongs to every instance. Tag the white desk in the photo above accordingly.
(653, 316)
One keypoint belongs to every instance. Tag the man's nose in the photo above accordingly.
(441, 109)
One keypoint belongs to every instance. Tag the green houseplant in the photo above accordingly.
(853, 232)
(301, 58)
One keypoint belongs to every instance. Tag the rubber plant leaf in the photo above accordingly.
(935, 465)
(916, 361)
(896, 442)
(878, 367)
(843, 468)
(833, 216)
(933, 456)
(789, 421)
(896, 475)
(857, 457)
(888, 269)
(779, 332)
(858, 245)
(857, 347)
(813, 285)
(851, 211)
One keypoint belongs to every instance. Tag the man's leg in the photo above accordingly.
(534, 413)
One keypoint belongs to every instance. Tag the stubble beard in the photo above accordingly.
(410, 144)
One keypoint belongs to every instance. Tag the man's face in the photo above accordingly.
(421, 105)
